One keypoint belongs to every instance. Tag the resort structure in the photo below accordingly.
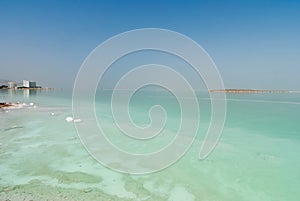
(29, 84)
(23, 85)
(12, 85)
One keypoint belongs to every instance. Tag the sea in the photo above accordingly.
(257, 157)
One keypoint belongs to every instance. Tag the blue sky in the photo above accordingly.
(255, 44)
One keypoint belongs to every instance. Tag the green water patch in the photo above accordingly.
(75, 177)
(136, 187)
(67, 177)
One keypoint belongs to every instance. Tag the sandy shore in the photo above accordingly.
(40, 192)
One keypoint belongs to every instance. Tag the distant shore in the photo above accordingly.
(25, 88)
(4, 105)
(248, 91)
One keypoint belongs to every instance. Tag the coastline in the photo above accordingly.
(37, 88)
(247, 91)
(5, 105)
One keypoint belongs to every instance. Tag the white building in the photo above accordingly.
(25, 83)
(29, 84)
(11, 85)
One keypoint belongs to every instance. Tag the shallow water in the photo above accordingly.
(257, 158)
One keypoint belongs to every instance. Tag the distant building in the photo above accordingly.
(32, 84)
(12, 85)
(29, 84)
(25, 83)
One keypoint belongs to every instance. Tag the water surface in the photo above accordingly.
(257, 158)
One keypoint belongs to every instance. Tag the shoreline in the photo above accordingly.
(5, 105)
(248, 91)
(42, 88)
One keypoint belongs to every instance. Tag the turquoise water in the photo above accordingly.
(257, 158)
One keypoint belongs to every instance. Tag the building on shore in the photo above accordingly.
(29, 84)
(12, 85)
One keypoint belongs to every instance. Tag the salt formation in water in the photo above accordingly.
(77, 120)
(69, 119)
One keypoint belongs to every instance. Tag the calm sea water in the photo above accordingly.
(257, 158)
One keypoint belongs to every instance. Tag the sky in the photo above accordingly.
(255, 44)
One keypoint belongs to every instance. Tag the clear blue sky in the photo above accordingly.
(255, 44)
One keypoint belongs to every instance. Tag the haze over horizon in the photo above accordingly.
(254, 44)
